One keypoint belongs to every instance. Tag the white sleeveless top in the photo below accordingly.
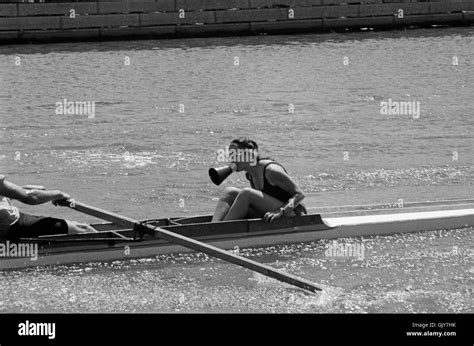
(9, 214)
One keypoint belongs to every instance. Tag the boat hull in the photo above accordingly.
(243, 234)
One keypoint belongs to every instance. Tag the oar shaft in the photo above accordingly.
(117, 219)
(199, 246)
(233, 258)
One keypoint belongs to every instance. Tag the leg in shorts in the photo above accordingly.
(29, 226)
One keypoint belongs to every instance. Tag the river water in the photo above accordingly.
(160, 119)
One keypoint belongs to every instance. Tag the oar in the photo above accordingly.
(193, 244)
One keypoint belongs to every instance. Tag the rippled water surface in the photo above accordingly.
(142, 157)
(424, 272)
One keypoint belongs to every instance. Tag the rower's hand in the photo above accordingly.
(60, 196)
(272, 216)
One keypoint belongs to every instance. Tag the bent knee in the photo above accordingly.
(229, 193)
(247, 192)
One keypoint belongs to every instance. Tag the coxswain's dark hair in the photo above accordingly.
(247, 143)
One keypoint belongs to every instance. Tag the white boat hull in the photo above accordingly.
(341, 227)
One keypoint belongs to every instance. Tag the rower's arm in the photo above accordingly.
(277, 176)
(32, 197)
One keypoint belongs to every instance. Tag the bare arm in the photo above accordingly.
(32, 197)
(277, 176)
(33, 187)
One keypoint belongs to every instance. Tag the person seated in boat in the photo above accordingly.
(16, 224)
(272, 195)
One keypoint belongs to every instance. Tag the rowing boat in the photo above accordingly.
(114, 242)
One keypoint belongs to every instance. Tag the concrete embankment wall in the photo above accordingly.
(22, 22)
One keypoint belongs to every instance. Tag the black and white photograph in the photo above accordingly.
(236, 172)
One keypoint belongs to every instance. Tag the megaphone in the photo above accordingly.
(218, 175)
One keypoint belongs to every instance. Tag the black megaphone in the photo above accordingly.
(218, 175)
